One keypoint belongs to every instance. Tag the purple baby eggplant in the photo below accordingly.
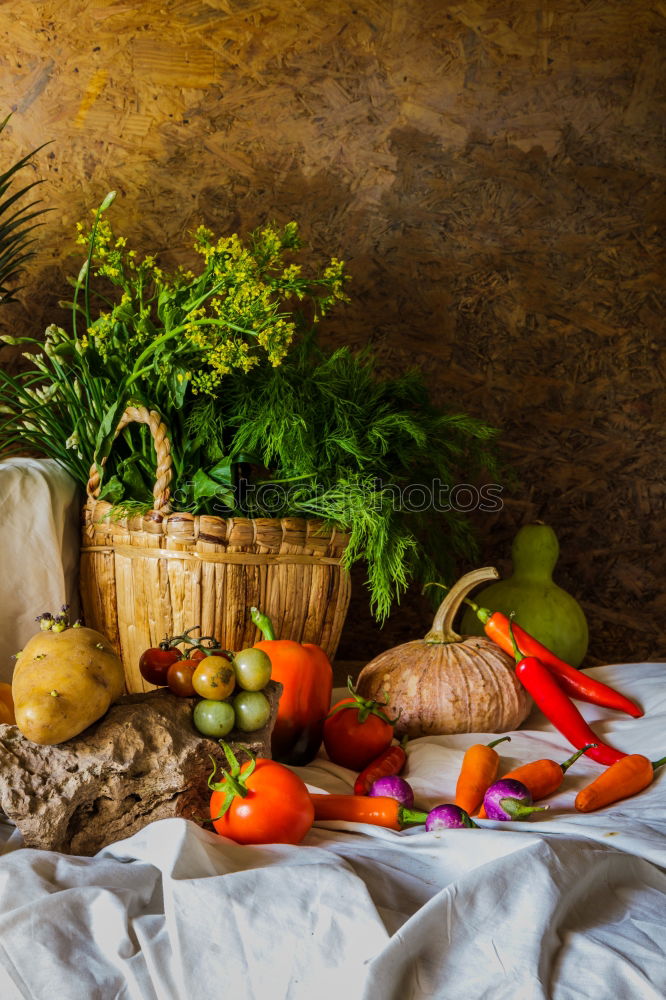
(449, 817)
(509, 799)
(394, 787)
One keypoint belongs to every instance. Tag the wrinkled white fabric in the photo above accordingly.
(564, 906)
(39, 514)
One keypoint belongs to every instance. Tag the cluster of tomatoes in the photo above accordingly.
(357, 734)
(230, 686)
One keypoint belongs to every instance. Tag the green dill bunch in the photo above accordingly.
(348, 446)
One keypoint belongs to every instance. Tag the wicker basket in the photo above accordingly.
(158, 574)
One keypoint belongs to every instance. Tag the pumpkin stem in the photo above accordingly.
(442, 626)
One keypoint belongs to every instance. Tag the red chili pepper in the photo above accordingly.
(576, 684)
(558, 707)
(390, 761)
(561, 711)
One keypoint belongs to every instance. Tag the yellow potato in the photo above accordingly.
(63, 682)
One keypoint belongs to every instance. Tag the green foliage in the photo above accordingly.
(158, 339)
(16, 223)
(353, 448)
(262, 422)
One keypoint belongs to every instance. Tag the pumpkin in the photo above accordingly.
(540, 605)
(447, 683)
(65, 679)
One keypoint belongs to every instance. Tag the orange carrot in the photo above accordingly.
(624, 778)
(542, 777)
(380, 810)
(478, 770)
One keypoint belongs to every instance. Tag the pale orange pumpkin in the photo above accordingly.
(447, 683)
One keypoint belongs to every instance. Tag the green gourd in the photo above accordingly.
(540, 606)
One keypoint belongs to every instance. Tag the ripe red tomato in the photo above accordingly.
(179, 677)
(277, 809)
(352, 743)
(155, 662)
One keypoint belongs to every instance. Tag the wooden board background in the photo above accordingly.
(493, 174)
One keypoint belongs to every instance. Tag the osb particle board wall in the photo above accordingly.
(491, 171)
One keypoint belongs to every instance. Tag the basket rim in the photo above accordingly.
(211, 529)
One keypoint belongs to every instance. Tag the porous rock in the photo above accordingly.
(141, 762)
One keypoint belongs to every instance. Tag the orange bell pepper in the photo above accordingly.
(306, 675)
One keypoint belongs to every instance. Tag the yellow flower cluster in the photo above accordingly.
(230, 316)
(223, 358)
(101, 334)
(290, 276)
(271, 245)
(276, 338)
(334, 276)
(108, 250)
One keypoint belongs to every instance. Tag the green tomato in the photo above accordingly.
(214, 718)
(253, 669)
(253, 710)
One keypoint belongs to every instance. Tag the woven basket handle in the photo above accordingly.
(141, 415)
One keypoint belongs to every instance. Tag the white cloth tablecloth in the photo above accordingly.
(39, 551)
(563, 906)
